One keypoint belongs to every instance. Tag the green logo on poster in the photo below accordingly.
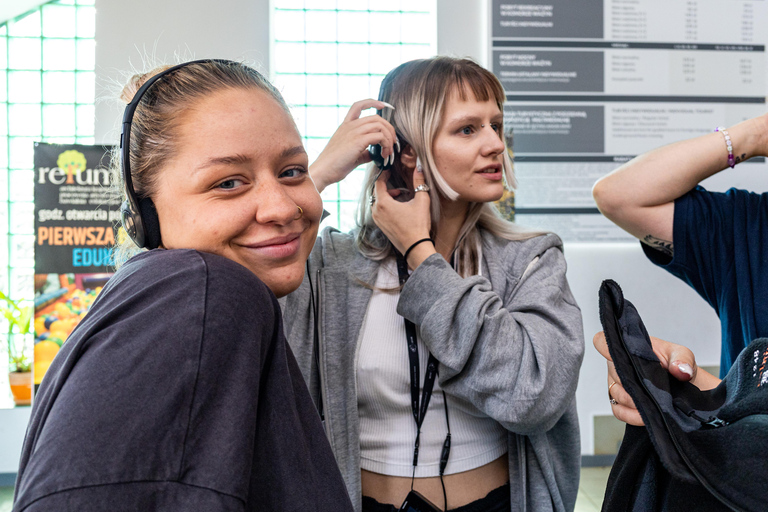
(71, 162)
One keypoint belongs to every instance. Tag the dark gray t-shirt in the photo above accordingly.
(178, 392)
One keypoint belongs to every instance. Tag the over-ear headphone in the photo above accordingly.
(139, 216)
(375, 149)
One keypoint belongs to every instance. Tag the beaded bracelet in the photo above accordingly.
(728, 145)
(407, 252)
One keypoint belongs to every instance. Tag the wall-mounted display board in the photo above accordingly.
(593, 83)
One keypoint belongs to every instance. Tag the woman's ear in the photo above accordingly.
(408, 157)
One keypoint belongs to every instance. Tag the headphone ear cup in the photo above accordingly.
(375, 151)
(132, 223)
(151, 223)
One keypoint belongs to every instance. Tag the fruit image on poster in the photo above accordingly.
(75, 212)
(61, 301)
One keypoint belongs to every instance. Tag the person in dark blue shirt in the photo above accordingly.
(714, 241)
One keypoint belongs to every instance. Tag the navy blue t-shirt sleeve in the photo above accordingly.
(720, 251)
(702, 239)
(178, 392)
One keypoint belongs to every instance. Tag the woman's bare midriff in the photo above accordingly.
(461, 488)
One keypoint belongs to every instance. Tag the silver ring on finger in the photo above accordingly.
(421, 188)
(612, 400)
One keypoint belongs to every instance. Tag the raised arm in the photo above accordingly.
(639, 196)
(348, 148)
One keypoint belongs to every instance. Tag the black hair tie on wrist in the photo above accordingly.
(414, 244)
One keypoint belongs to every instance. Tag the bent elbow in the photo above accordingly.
(607, 198)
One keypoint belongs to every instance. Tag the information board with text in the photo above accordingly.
(593, 83)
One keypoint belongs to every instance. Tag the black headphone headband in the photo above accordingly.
(139, 216)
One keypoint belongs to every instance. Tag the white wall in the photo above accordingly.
(13, 426)
(164, 32)
(462, 29)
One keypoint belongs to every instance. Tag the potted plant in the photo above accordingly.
(19, 319)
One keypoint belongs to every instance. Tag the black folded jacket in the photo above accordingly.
(699, 450)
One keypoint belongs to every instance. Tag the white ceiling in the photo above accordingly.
(9, 9)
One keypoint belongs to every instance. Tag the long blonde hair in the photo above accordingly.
(418, 90)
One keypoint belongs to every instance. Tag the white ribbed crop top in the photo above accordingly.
(387, 427)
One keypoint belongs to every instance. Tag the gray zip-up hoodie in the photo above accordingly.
(510, 341)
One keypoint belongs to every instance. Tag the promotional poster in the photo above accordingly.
(75, 214)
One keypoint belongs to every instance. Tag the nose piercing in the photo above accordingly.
(301, 213)
(482, 126)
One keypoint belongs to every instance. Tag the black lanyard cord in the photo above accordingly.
(316, 343)
(419, 407)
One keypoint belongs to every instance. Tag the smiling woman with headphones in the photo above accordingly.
(177, 391)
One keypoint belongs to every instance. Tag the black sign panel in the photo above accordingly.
(75, 210)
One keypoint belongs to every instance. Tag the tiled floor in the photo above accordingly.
(591, 490)
(6, 499)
